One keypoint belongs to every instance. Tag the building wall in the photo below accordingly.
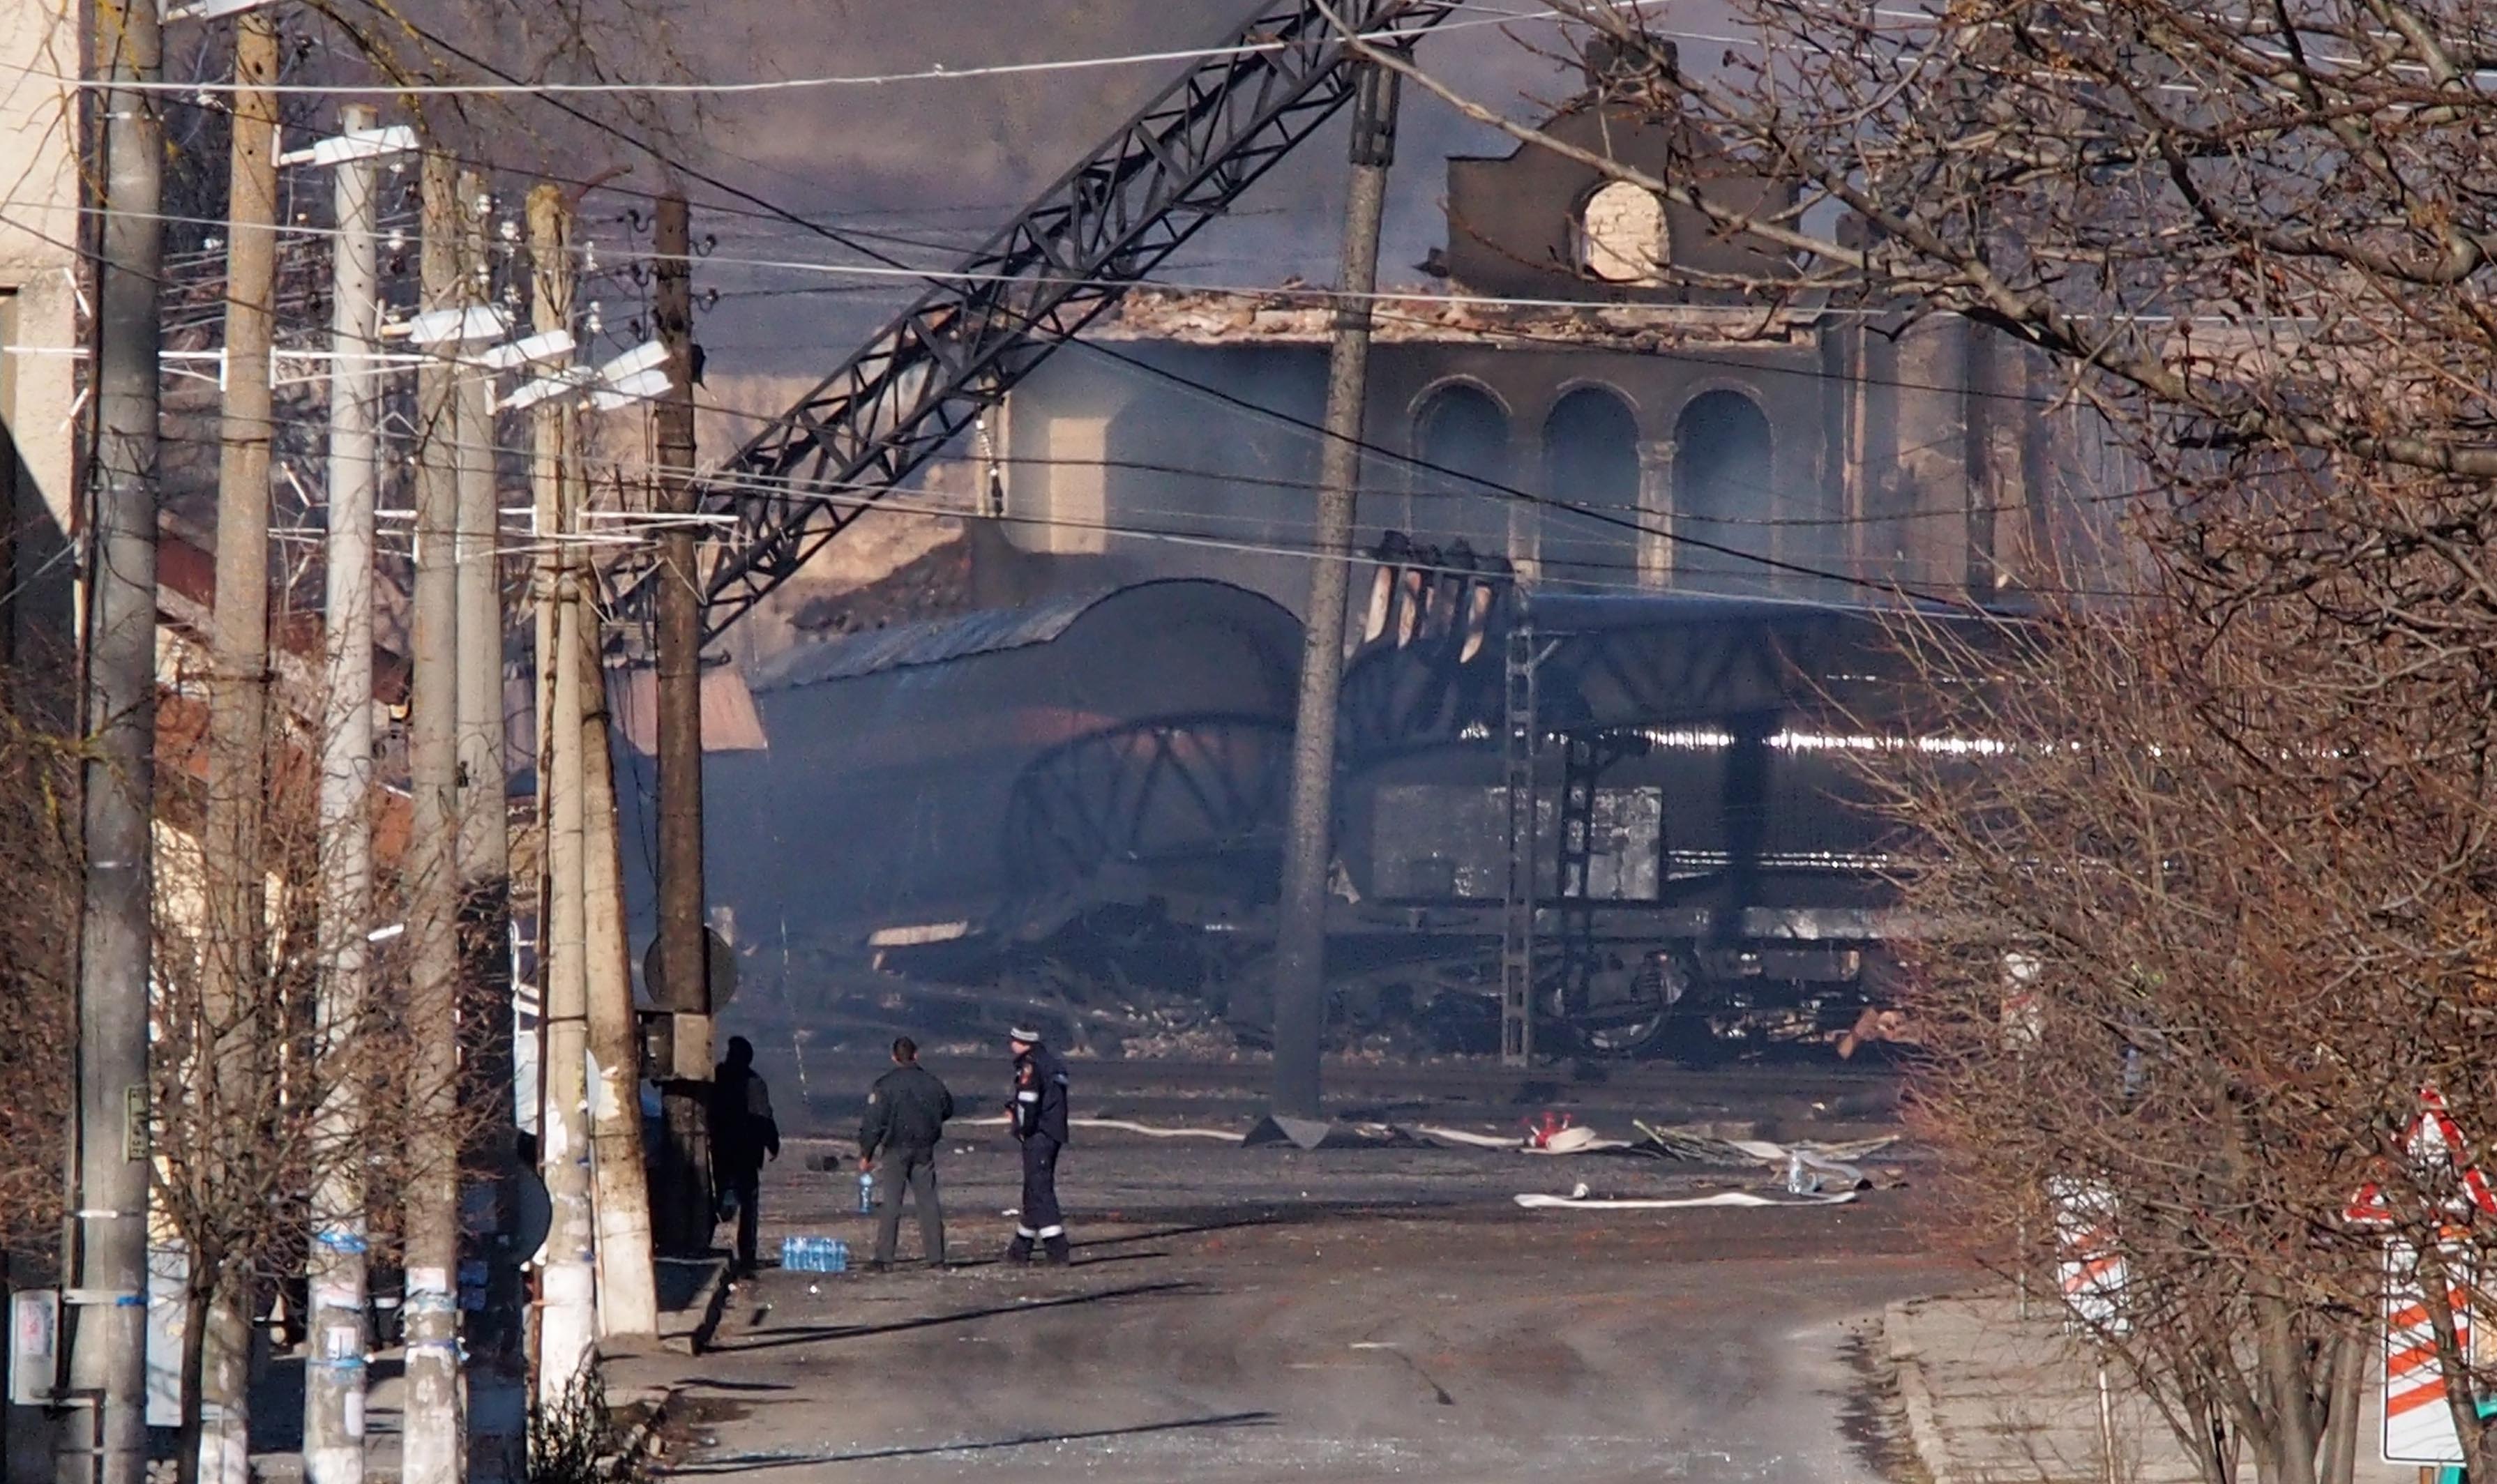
(39, 311)
(1187, 480)
(1514, 220)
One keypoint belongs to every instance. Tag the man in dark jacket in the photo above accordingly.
(905, 1120)
(1039, 1117)
(743, 1132)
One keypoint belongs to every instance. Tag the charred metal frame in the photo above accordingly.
(981, 327)
(1521, 732)
(1585, 756)
(1085, 803)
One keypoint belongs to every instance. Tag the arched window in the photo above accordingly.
(1590, 473)
(1621, 235)
(1721, 493)
(1463, 435)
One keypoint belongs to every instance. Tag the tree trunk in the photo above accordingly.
(2290, 1451)
(195, 1345)
(2436, 1288)
(2340, 1459)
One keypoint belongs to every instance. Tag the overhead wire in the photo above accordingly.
(772, 212)
(510, 86)
(863, 495)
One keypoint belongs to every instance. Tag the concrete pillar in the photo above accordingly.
(1933, 465)
(1655, 513)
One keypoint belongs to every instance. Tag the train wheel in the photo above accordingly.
(1628, 1010)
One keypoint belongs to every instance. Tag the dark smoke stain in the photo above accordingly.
(1874, 1419)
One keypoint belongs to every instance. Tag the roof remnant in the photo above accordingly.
(1292, 315)
(926, 641)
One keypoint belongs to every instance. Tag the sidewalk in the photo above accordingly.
(1993, 1400)
(691, 1293)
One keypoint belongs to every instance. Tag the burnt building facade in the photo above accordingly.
(1598, 384)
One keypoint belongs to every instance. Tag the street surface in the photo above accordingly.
(1342, 1314)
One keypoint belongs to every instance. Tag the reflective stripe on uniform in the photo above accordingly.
(1047, 1232)
(1026, 1097)
(1026, 1233)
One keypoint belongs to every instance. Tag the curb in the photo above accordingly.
(1916, 1399)
(710, 1304)
(643, 1441)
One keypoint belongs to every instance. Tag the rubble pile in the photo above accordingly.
(934, 585)
(1292, 313)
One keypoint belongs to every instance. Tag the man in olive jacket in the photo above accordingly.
(898, 1139)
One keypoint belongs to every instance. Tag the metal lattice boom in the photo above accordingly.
(1178, 164)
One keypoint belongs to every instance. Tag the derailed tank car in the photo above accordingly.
(1093, 791)
(968, 797)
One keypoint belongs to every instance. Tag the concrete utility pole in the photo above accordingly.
(496, 1330)
(434, 1438)
(239, 721)
(1299, 946)
(628, 1295)
(106, 1265)
(567, 1296)
(684, 949)
(333, 1378)
(484, 830)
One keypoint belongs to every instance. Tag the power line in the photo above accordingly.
(861, 495)
(659, 156)
(934, 72)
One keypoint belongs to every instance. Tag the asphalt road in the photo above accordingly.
(1258, 1314)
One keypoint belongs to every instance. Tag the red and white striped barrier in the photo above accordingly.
(2088, 1262)
(2419, 1421)
(2418, 1424)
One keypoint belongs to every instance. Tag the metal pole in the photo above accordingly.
(333, 1378)
(684, 953)
(494, 1330)
(628, 1297)
(1300, 947)
(567, 1312)
(238, 779)
(435, 1439)
(106, 1263)
(1521, 733)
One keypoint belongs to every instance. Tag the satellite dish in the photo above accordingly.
(533, 1213)
(667, 995)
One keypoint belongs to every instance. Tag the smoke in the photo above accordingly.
(929, 167)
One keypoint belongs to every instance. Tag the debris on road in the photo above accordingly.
(1461, 1136)
(1577, 1201)
(1831, 1161)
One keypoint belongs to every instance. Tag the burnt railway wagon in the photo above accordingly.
(1091, 790)
(951, 795)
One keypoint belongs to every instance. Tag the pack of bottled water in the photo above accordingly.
(814, 1254)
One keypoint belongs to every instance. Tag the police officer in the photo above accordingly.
(905, 1120)
(1038, 1116)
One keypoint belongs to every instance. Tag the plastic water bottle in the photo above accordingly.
(814, 1254)
(1800, 1181)
(867, 1192)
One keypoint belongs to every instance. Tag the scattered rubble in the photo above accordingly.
(1293, 314)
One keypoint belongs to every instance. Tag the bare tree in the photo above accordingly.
(237, 1158)
(38, 917)
(2239, 830)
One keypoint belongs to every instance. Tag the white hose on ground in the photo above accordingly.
(1125, 1125)
(1537, 1202)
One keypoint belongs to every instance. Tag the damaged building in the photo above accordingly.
(1026, 776)
(1596, 383)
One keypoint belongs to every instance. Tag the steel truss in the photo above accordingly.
(975, 332)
